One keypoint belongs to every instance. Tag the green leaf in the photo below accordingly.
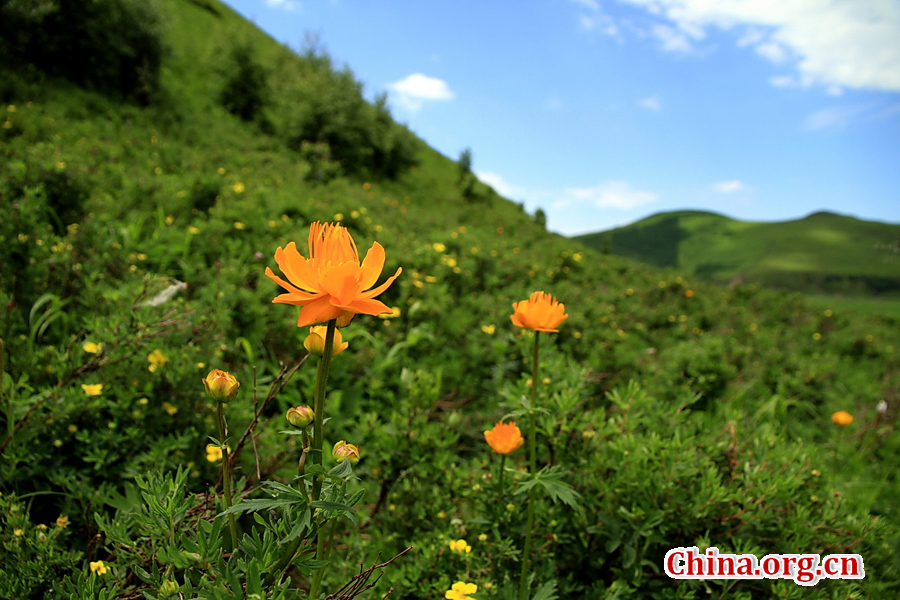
(546, 591)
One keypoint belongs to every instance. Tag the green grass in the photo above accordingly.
(682, 412)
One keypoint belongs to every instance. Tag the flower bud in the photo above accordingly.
(315, 341)
(343, 451)
(221, 386)
(301, 416)
(169, 588)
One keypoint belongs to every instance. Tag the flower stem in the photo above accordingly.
(226, 475)
(316, 452)
(319, 410)
(500, 479)
(532, 452)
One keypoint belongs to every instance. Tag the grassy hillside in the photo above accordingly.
(824, 252)
(667, 411)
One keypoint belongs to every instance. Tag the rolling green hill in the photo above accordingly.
(142, 205)
(821, 253)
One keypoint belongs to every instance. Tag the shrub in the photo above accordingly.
(114, 46)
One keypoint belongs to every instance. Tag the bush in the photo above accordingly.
(246, 89)
(114, 46)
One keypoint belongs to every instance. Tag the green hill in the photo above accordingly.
(151, 163)
(822, 253)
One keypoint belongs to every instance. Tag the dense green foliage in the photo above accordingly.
(681, 413)
(822, 253)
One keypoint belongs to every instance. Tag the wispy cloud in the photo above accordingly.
(651, 103)
(283, 4)
(830, 118)
(500, 185)
(610, 194)
(672, 39)
(413, 90)
(843, 43)
(594, 19)
(729, 187)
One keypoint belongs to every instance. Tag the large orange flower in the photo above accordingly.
(504, 438)
(540, 312)
(331, 283)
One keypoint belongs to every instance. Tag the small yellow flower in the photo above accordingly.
(460, 591)
(442, 515)
(92, 348)
(315, 341)
(460, 546)
(19, 532)
(11, 108)
(817, 336)
(144, 401)
(98, 567)
(439, 247)
(92, 389)
(343, 451)
(829, 312)
(61, 165)
(488, 329)
(214, 452)
(483, 537)
(221, 385)
(156, 360)
(338, 216)
(238, 187)
(842, 418)
(72, 428)
(221, 170)
(169, 219)
(238, 225)
(62, 521)
(193, 230)
(169, 408)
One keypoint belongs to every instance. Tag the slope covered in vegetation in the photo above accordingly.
(821, 253)
(133, 261)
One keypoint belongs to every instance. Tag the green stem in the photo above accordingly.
(316, 451)
(323, 551)
(532, 452)
(226, 476)
(301, 465)
(500, 479)
(319, 409)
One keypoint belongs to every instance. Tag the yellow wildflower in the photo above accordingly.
(98, 567)
(460, 546)
(92, 389)
(92, 347)
(169, 408)
(156, 360)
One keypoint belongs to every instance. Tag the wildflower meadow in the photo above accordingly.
(263, 343)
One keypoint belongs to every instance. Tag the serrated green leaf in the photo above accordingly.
(546, 591)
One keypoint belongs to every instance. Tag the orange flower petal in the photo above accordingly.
(297, 268)
(372, 266)
(369, 306)
(383, 286)
(318, 311)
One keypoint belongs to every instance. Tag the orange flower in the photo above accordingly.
(541, 312)
(331, 283)
(842, 418)
(504, 438)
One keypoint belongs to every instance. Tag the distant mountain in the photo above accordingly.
(823, 252)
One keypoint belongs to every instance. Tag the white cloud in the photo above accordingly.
(283, 4)
(847, 43)
(829, 118)
(783, 81)
(610, 194)
(729, 187)
(672, 40)
(413, 90)
(772, 51)
(500, 185)
(651, 103)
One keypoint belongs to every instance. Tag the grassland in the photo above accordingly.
(822, 253)
(679, 411)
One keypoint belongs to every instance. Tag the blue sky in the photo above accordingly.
(602, 112)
